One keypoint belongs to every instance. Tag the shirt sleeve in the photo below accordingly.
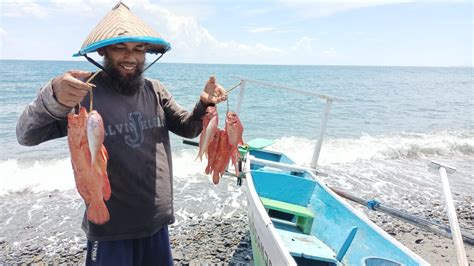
(180, 121)
(43, 119)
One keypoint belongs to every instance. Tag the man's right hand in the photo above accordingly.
(69, 90)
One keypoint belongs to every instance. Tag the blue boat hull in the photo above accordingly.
(281, 201)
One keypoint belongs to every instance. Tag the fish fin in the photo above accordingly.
(106, 189)
(105, 154)
(81, 188)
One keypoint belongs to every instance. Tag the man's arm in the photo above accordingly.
(184, 123)
(180, 121)
(43, 119)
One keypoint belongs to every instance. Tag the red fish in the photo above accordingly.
(95, 134)
(211, 153)
(234, 130)
(209, 129)
(222, 156)
(89, 161)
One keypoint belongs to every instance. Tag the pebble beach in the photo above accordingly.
(53, 236)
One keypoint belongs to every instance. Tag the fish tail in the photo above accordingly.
(199, 156)
(208, 169)
(235, 161)
(201, 143)
(215, 178)
(97, 212)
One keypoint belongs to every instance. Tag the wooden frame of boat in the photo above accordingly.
(295, 219)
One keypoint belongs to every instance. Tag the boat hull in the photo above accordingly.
(267, 248)
(345, 235)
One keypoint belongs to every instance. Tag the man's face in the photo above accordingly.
(126, 57)
(124, 62)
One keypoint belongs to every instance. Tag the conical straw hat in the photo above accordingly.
(121, 25)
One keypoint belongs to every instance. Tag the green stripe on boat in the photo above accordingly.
(259, 143)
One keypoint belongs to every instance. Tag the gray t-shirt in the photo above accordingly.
(137, 141)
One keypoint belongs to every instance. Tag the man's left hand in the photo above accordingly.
(213, 93)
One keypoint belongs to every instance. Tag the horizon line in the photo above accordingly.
(251, 64)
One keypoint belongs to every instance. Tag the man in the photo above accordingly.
(138, 114)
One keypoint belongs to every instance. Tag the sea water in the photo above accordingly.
(380, 138)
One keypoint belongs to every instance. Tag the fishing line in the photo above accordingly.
(227, 105)
(227, 92)
(235, 86)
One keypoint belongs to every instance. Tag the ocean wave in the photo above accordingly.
(57, 174)
(36, 176)
(383, 147)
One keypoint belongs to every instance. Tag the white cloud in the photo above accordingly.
(88, 8)
(191, 42)
(23, 8)
(256, 12)
(331, 52)
(3, 39)
(260, 29)
(304, 45)
(3, 34)
(321, 8)
(198, 9)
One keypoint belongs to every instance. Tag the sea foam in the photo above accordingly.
(38, 176)
(371, 151)
(384, 147)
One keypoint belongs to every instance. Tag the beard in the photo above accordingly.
(126, 85)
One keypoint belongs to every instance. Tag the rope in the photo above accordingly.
(227, 92)
(153, 62)
(235, 86)
(91, 95)
(373, 204)
(94, 62)
(227, 112)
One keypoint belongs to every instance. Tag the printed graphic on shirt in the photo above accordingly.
(133, 129)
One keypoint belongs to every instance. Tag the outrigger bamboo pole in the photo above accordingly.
(428, 225)
(453, 219)
(329, 100)
(319, 143)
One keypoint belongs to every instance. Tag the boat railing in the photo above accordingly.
(329, 100)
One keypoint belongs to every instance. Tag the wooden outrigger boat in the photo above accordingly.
(295, 219)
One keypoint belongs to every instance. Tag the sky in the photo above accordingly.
(282, 32)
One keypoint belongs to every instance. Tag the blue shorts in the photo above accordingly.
(153, 250)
